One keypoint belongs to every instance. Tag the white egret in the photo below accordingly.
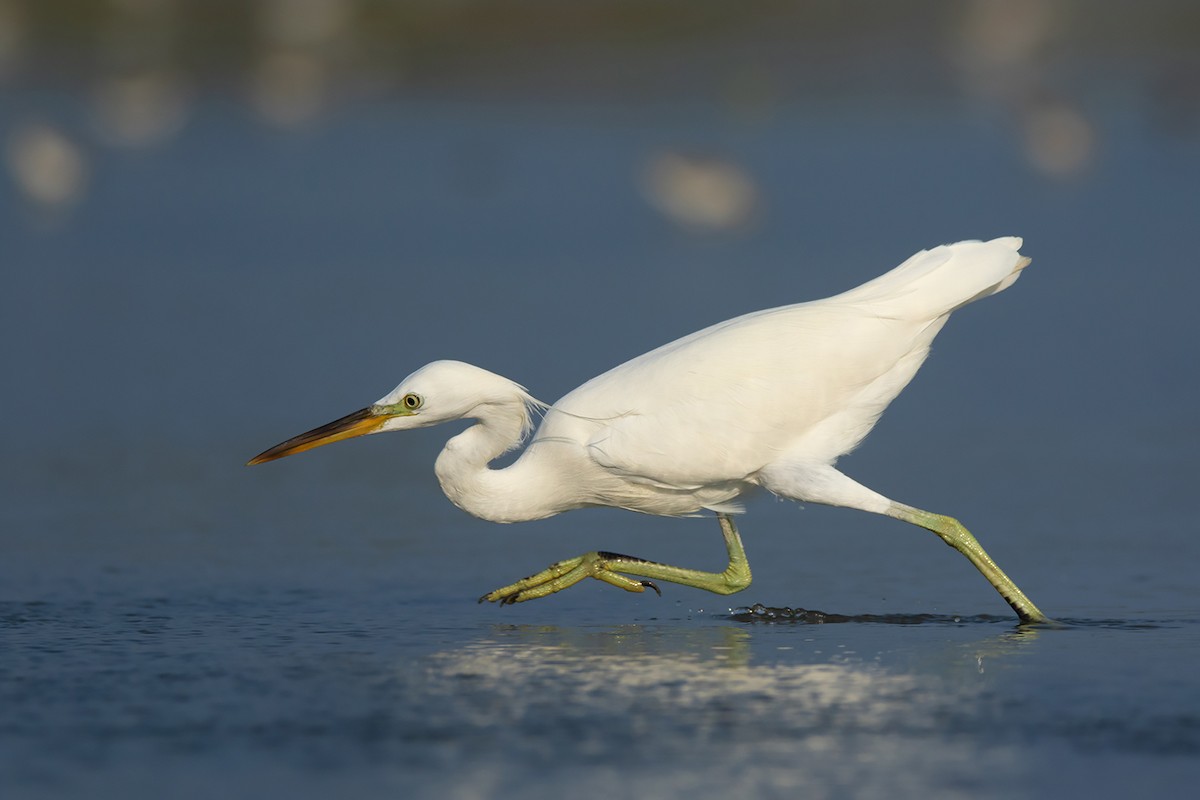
(770, 399)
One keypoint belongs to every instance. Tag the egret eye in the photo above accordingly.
(411, 401)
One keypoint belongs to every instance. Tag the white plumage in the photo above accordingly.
(768, 399)
(692, 424)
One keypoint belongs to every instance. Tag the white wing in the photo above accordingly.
(804, 381)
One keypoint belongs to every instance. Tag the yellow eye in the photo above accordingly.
(411, 401)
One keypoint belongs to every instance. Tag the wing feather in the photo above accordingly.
(810, 379)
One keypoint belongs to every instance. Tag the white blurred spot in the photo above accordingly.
(291, 83)
(140, 109)
(1058, 139)
(49, 169)
(1004, 34)
(289, 88)
(302, 23)
(12, 35)
(1002, 52)
(700, 192)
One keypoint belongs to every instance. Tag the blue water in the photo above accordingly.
(309, 627)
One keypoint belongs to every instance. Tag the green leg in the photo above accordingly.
(954, 534)
(608, 566)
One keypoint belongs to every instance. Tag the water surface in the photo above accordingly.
(309, 627)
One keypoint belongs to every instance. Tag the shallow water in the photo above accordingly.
(366, 691)
(309, 627)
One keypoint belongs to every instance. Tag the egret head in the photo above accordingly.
(438, 392)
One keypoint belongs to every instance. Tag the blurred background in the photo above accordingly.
(222, 224)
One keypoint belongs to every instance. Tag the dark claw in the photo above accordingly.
(650, 585)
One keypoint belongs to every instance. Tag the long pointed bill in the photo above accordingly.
(363, 421)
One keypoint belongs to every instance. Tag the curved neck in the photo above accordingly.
(516, 493)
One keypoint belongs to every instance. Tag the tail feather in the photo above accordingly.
(935, 282)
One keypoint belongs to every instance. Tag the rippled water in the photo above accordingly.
(361, 692)
(169, 618)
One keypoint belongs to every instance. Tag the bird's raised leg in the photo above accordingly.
(954, 534)
(608, 567)
(821, 483)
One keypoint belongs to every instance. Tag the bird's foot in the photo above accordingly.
(559, 576)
